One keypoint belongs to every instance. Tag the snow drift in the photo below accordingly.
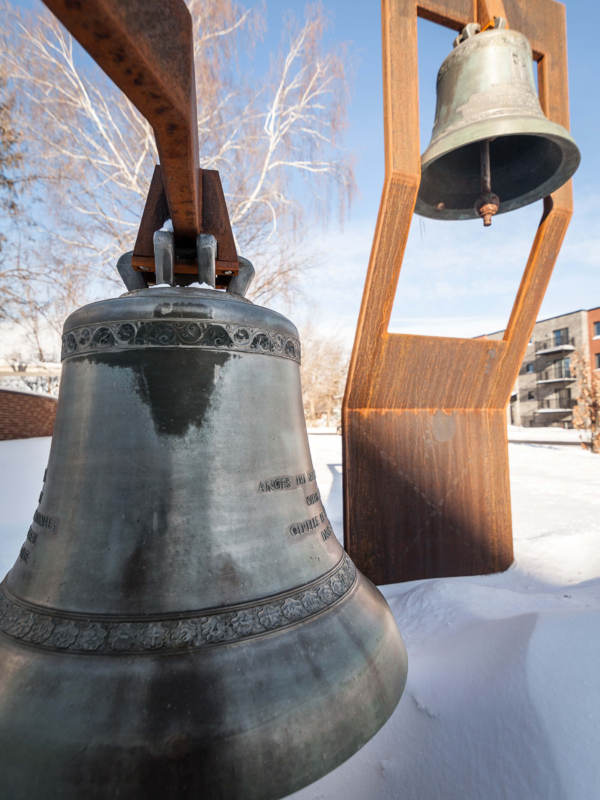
(503, 693)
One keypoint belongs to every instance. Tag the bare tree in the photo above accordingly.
(586, 413)
(94, 153)
(16, 280)
(323, 371)
(37, 286)
(10, 160)
(10, 154)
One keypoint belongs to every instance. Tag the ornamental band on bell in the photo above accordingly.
(183, 333)
(55, 630)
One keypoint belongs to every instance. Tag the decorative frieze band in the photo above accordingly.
(75, 633)
(187, 333)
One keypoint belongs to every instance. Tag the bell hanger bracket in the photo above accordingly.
(148, 53)
(190, 264)
(426, 483)
(473, 28)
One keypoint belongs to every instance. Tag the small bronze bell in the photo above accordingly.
(181, 623)
(492, 149)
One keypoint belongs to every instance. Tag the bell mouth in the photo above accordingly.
(525, 167)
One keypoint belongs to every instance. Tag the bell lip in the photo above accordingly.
(374, 685)
(186, 303)
(491, 129)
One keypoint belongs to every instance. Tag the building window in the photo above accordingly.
(529, 367)
(597, 328)
(560, 336)
(564, 398)
(597, 360)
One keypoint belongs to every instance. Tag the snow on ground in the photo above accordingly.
(554, 435)
(503, 694)
(22, 465)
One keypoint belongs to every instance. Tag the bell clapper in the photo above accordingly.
(488, 203)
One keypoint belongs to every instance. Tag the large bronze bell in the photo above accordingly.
(181, 622)
(492, 149)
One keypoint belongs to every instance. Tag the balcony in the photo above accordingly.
(553, 411)
(554, 344)
(556, 374)
(560, 405)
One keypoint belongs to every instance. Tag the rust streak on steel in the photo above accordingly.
(147, 50)
(426, 486)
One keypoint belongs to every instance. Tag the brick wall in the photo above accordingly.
(593, 319)
(24, 414)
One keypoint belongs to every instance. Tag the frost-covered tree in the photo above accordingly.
(95, 153)
(586, 413)
(323, 371)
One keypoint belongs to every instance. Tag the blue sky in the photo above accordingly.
(457, 278)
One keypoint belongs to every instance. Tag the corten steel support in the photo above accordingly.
(147, 49)
(426, 484)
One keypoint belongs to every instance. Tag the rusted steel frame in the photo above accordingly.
(430, 492)
(456, 13)
(392, 376)
(147, 50)
(403, 174)
(215, 220)
(544, 24)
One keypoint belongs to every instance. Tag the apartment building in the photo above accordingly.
(546, 389)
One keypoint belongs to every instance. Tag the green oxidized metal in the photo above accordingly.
(181, 622)
(486, 90)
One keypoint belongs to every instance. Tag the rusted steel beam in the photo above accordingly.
(450, 13)
(487, 10)
(147, 50)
